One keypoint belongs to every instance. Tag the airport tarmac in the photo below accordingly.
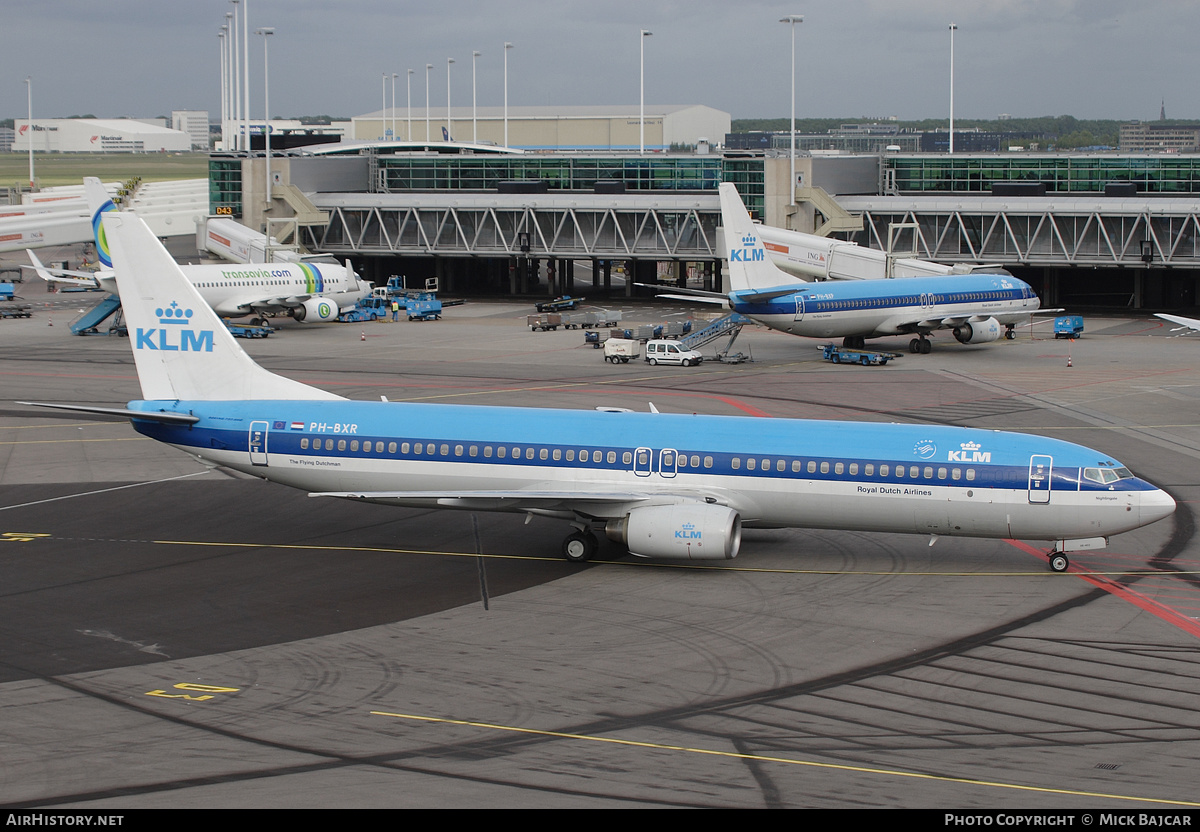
(178, 636)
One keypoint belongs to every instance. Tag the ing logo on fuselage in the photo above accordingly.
(174, 334)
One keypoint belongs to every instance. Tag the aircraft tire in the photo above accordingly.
(1059, 562)
(579, 547)
(926, 346)
(914, 346)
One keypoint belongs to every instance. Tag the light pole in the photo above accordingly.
(224, 85)
(793, 19)
(383, 107)
(642, 111)
(953, 29)
(507, 46)
(395, 75)
(29, 89)
(474, 122)
(449, 126)
(237, 79)
(408, 134)
(246, 64)
(266, 32)
(227, 128)
(427, 68)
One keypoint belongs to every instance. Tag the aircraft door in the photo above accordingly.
(643, 461)
(799, 306)
(258, 443)
(1040, 470)
(667, 460)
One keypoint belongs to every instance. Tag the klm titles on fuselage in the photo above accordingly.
(174, 335)
(750, 251)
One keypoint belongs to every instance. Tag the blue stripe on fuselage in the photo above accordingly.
(999, 459)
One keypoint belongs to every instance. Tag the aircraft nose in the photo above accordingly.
(1156, 505)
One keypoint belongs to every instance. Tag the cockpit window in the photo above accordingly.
(1104, 476)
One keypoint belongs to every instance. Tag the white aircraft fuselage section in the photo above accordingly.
(773, 472)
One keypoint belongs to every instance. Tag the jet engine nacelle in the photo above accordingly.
(315, 309)
(979, 332)
(680, 532)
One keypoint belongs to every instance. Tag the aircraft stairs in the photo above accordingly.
(730, 325)
(88, 322)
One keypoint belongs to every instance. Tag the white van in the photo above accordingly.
(669, 352)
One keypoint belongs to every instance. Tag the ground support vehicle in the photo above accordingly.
(367, 309)
(841, 355)
(560, 304)
(662, 351)
(1068, 326)
(247, 330)
(621, 350)
(543, 323)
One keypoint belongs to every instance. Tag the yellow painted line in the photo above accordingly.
(761, 758)
(646, 564)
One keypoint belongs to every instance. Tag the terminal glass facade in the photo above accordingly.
(563, 173)
(1062, 173)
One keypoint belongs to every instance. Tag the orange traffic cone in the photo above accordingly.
(364, 335)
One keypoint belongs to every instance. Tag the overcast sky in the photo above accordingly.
(855, 58)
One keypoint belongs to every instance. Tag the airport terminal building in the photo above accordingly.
(1085, 229)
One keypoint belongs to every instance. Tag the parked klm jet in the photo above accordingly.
(977, 308)
(667, 486)
(309, 292)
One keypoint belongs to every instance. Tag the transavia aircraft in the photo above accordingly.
(666, 486)
(309, 292)
(977, 308)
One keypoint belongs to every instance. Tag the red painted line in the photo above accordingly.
(1165, 613)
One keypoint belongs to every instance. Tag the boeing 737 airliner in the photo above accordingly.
(666, 486)
(309, 292)
(977, 308)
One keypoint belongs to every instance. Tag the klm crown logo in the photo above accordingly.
(174, 334)
(750, 252)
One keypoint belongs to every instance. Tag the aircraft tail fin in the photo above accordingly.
(749, 266)
(98, 205)
(181, 348)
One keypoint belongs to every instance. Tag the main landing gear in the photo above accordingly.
(854, 342)
(1058, 562)
(1009, 332)
(920, 345)
(580, 546)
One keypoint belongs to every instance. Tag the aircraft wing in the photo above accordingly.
(1184, 323)
(59, 275)
(526, 500)
(722, 300)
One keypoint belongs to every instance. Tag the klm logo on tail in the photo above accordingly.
(750, 252)
(174, 335)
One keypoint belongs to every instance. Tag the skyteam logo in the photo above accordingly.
(174, 334)
(969, 452)
(925, 449)
(688, 531)
(750, 251)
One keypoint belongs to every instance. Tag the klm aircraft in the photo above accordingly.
(977, 308)
(665, 486)
(309, 292)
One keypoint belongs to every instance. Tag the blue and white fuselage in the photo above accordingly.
(876, 308)
(671, 486)
(977, 308)
(772, 472)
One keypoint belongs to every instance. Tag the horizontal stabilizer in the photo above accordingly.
(147, 415)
